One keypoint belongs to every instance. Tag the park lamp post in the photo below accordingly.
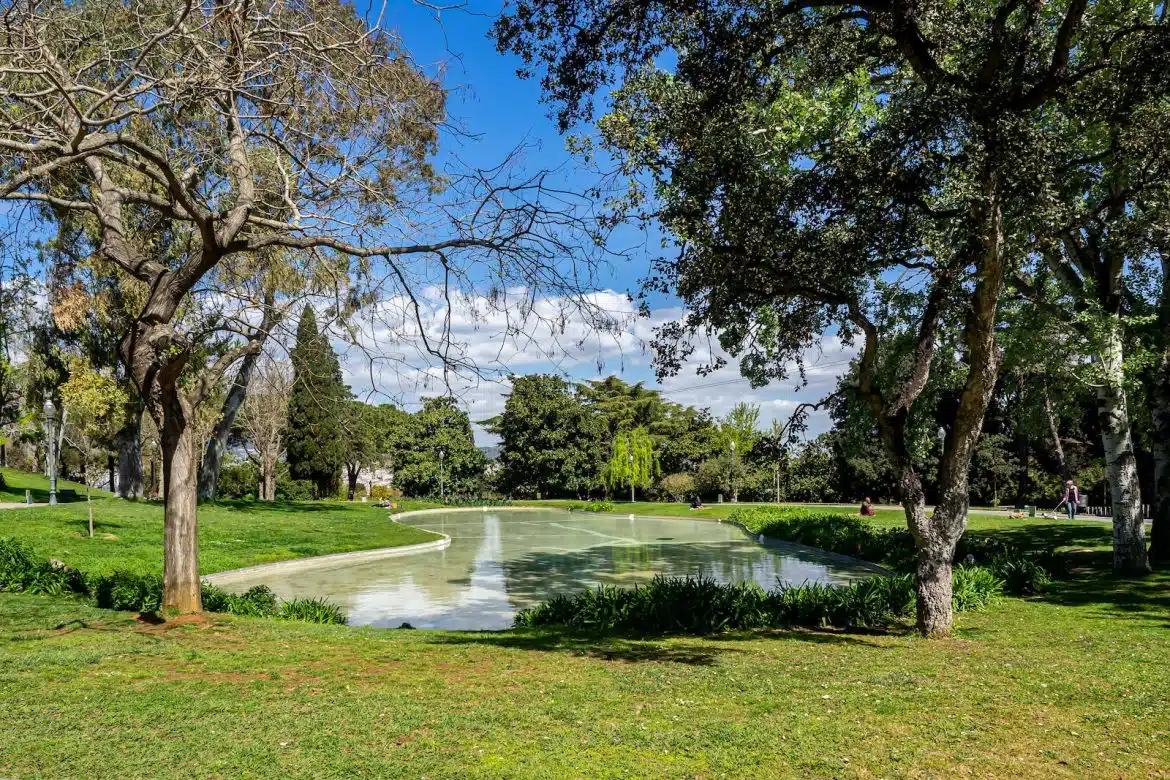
(51, 440)
(442, 493)
(734, 492)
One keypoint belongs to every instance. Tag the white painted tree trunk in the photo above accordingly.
(1129, 538)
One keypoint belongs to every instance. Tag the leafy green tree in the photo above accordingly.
(687, 437)
(440, 455)
(364, 438)
(91, 412)
(632, 462)
(740, 434)
(316, 410)
(802, 153)
(550, 442)
(623, 406)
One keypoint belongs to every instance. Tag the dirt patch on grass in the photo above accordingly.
(151, 623)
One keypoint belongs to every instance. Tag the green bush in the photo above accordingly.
(257, 601)
(384, 493)
(293, 489)
(836, 532)
(128, 591)
(593, 506)
(19, 571)
(471, 501)
(702, 606)
(131, 592)
(1021, 573)
(312, 611)
(974, 587)
(237, 480)
(679, 487)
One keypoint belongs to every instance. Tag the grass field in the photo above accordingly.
(232, 534)
(1073, 683)
(16, 482)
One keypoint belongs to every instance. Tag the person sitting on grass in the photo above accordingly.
(696, 503)
(867, 509)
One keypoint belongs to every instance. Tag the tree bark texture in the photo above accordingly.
(1129, 538)
(351, 474)
(131, 482)
(1159, 395)
(181, 592)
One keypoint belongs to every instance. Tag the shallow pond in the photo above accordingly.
(500, 561)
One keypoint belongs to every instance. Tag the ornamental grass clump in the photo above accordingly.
(1022, 572)
(127, 591)
(700, 605)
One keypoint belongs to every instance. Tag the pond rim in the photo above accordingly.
(226, 578)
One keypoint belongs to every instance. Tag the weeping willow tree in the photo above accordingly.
(632, 462)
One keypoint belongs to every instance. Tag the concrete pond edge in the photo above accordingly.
(227, 578)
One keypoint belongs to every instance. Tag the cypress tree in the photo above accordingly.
(316, 408)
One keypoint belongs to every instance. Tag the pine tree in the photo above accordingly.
(316, 408)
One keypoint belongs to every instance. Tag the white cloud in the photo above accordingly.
(386, 360)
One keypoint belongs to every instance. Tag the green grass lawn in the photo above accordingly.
(232, 534)
(1073, 683)
(16, 482)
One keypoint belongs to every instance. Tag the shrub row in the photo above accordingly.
(702, 606)
(593, 506)
(121, 590)
(1022, 572)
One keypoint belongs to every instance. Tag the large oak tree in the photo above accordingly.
(819, 162)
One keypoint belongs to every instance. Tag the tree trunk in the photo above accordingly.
(89, 506)
(1159, 395)
(1160, 533)
(129, 445)
(217, 444)
(1129, 538)
(351, 473)
(1057, 446)
(270, 482)
(935, 539)
(181, 593)
(111, 468)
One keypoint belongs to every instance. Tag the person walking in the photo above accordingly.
(1072, 497)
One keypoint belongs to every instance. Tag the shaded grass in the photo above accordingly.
(16, 482)
(232, 534)
(1026, 690)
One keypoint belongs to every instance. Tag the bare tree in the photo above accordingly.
(209, 144)
(263, 420)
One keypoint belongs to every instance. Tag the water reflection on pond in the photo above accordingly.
(501, 561)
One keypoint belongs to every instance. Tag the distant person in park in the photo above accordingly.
(696, 503)
(867, 509)
(1072, 497)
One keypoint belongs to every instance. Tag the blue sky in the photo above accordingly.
(502, 111)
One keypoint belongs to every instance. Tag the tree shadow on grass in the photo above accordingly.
(286, 507)
(1042, 536)
(1146, 598)
(637, 649)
